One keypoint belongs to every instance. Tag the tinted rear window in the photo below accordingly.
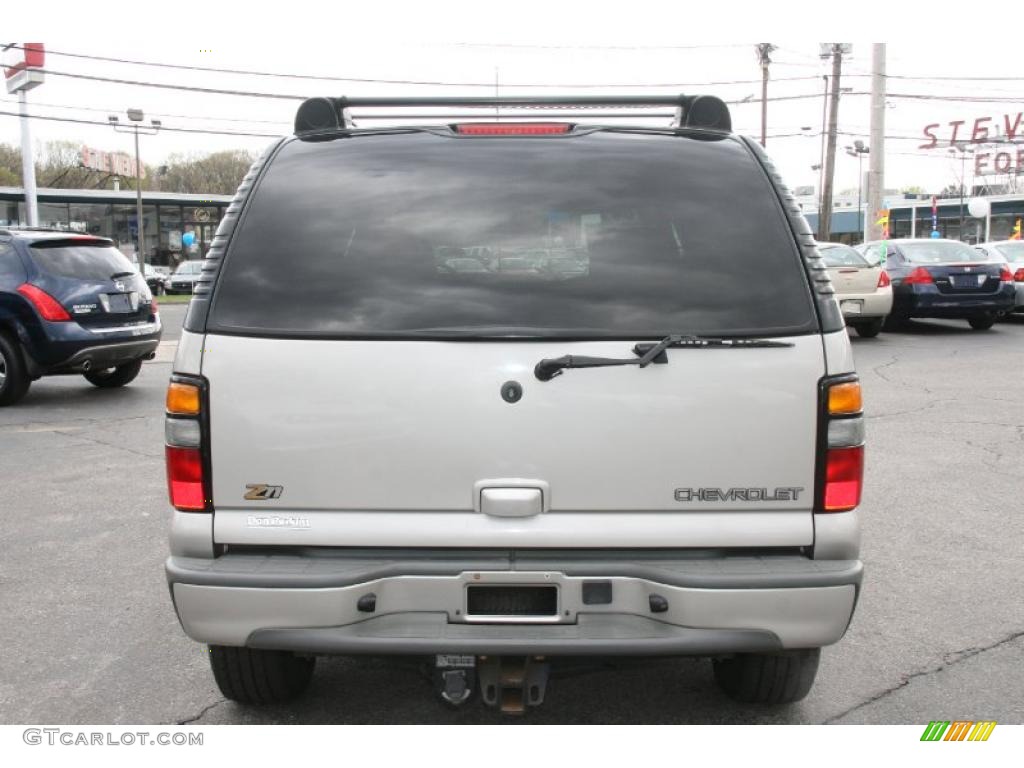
(938, 252)
(608, 235)
(64, 258)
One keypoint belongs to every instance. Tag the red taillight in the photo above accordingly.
(511, 129)
(844, 476)
(1018, 276)
(883, 280)
(1005, 276)
(920, 276)
(154, 308)
(47, 306)
(185, 478)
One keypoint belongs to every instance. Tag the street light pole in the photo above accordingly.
(963, 179)
(140, 250)
(136, 116)
(858, 150)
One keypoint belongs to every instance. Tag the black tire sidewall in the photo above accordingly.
(17, 382)
(121, 375)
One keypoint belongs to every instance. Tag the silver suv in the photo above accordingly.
(497, 393)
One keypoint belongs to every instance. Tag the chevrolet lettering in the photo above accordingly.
(738, 494)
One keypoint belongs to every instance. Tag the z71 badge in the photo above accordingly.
(261, 492)
(737, 494)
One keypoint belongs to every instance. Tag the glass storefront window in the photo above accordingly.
(9, 213)
(53, 215)
(125, 229)
(92, 219)
(168, 251)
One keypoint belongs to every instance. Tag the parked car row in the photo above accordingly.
(883, 284)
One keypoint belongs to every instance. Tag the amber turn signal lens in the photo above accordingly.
(844, 398)
(183, 399)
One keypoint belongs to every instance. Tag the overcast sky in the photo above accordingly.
(525, 47)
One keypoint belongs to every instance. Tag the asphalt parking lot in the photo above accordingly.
(89, 634)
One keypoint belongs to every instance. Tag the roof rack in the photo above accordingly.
(321, 113)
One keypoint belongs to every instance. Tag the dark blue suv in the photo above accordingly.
(70, 304)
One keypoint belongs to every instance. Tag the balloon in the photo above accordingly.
(979, 207)
(188, 238)
(936, 233)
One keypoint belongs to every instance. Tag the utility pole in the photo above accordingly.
(136, 116)
(764, 58)
(876, 162)
(825, 214)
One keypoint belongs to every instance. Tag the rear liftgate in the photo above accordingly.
(511, 683)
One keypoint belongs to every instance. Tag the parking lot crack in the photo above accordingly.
(948, 660)
(201, 714)
(878, 369)
(106, 444)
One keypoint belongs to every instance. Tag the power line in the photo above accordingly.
(113, 110)
(604, 47)
(300, 97)
(383, 81)
(162, 128)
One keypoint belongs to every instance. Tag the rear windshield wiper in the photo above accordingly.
(550, 367)
(121, 274)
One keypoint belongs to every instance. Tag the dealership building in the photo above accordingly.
(166, 216)
(917, 215)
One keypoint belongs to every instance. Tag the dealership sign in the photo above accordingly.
(114, 163)
(23, 66)
(1001, 129)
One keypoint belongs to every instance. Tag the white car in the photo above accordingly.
(370, 451)
(863, 289)
(185, 277)
(1012, 252)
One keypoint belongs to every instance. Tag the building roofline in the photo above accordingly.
(44, 194)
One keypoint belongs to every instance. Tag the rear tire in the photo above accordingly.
(869, 328)
(768, 678)
(981, 322)
(114, 377)
(14, 379)
(253, 676)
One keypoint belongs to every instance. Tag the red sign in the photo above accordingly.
(33, 56)
(115, 163)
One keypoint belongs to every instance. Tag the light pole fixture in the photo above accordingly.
(136, 116)
(858, 150)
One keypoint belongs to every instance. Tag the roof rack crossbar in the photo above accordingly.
(506, 116)
(328, 114)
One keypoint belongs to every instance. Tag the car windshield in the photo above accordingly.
(609, 235)
(189, 268)
(939, 252)
(84, 261)
(1011, 251)
(841, 256)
